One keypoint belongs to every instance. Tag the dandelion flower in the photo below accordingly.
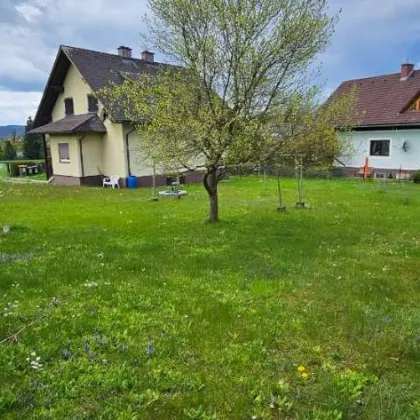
(301, 369)
(305, 376)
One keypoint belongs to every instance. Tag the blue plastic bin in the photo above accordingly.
(132, 181)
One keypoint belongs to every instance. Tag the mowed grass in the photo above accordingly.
(3, 170)
(140, 309)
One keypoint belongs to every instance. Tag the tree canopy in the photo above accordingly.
(9, 152)
(244, 66)
(33, 147)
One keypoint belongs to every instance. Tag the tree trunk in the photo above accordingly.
(210, 184)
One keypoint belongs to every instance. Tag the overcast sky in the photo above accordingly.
(372, 37)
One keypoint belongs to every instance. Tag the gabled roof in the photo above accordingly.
(83, 123)
(383, 101)
(98, 69)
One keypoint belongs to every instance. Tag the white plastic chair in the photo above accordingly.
(112, 181)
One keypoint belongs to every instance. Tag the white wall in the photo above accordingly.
(142, 165)
(360, 143)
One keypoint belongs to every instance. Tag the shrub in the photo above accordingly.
(14, 166)
(14, 169)
(416, 177)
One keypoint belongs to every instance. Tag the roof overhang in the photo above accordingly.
(84, 123)
(52, 89)
(399, 126)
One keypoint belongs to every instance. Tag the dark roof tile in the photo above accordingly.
(84, 123)
(98, 69)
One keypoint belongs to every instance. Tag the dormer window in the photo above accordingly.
(92, 103)
(68, 106)
(415, 106)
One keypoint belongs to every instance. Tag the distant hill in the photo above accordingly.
(6, 130)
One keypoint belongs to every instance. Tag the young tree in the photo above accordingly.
(315, 133)
(33, 147)
(243, 61)
(9, 152)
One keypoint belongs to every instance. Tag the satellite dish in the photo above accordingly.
(405, 146)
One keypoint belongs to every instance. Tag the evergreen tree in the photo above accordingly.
(9, 152)
(33, 147)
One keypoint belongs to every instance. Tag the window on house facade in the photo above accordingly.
(415, 106)
(64, 152)
(380, 147)
(92, 103)
(68, 106)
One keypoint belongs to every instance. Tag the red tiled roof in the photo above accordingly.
(384, 100)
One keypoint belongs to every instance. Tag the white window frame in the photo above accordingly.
(380, 139)
(63, 160)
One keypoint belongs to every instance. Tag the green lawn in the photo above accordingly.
(140, 309)
(3, 170)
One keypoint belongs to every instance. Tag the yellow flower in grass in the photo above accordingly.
(301, 369)
(305, 376)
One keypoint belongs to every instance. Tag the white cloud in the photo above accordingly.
(16, 107)
(29, 12)
(93, 12)
(33, 31)
(26, 57)
(30, 44)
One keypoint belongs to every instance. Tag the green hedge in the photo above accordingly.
(416, 177)
(13, 166)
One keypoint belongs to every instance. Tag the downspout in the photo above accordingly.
(48, 171)
(82, 169)
(128, 149)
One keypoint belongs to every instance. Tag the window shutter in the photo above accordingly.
(64, 152)
(92, 103)
(68, 106)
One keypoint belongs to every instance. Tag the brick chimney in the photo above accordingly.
(148, 56)
(406, 70)
(124, 51)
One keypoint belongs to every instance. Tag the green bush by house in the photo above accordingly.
(416, 177)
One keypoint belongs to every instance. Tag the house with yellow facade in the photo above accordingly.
(86, 140)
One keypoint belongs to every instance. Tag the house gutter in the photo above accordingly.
(48, 171)
(406, 126)
(81, 156)
(128, 149)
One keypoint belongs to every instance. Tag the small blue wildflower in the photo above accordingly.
(122, 347)
(149, 349)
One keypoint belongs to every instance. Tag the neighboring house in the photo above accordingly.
(388, 128)
(85, 140)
